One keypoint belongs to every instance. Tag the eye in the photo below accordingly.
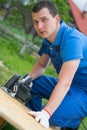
(44, 20)
(35, 22)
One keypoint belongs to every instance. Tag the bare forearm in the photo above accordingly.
(36, 71)
(65, 79)
(40, 66)
(56, 98)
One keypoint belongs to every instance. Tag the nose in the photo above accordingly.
(40, 25)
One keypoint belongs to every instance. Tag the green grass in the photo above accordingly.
(11, 58)
(8, 127)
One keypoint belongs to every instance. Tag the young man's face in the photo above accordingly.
(45, 24)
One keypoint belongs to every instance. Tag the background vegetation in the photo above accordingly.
(19, 42)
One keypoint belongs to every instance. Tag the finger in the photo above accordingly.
(37, 118)
(32, 113)
(44, 123)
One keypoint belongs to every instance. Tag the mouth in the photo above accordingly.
(42, 32)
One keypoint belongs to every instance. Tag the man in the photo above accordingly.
(67, 49)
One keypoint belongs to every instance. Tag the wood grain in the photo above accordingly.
(15, 113)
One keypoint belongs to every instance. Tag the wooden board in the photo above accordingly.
(15, 113)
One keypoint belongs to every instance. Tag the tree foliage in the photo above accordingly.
(21, 9)
(63, 9)
(18, 12)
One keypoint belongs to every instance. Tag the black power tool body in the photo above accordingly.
(16, 88)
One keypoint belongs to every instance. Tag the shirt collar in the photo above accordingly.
(60, 34)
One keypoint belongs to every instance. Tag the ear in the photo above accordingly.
(57, 18)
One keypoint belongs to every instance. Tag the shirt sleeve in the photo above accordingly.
(72, 49)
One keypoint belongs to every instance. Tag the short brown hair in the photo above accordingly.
(45, 4)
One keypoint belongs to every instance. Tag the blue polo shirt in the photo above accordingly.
(70, 44)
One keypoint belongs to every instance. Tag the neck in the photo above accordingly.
(53, 37)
